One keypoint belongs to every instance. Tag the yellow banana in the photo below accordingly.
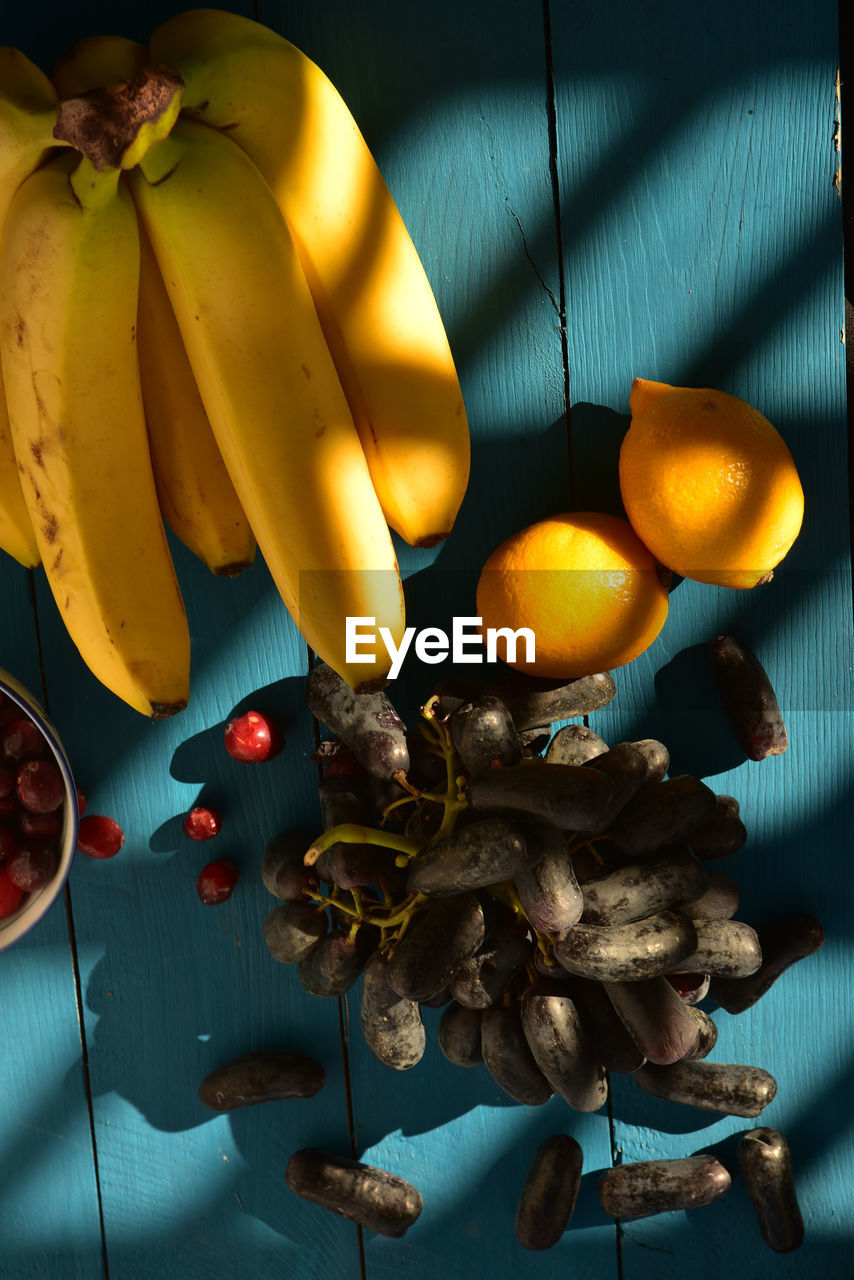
(96, 61)
(373, 297)
(196, 495)
(28, 105)
(270, 389)
(68, 299)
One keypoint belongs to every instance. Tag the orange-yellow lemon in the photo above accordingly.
(708, 484)
(587, 587)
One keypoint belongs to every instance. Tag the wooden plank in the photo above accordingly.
(454, 105)
(699, 230)
(45, 1135)
(702, 248)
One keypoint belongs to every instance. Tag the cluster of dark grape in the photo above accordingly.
(549, 893)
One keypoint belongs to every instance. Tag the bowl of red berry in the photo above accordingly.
(39, 812)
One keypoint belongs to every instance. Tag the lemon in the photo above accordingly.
(708, 484)
(586, 586)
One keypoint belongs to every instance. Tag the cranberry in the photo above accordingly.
(99, 837)
(202, 824)
(252, 737)
(10, 894)
(8, 805)
(40, 786)
(44, 826)
(34, 867)
(23, 740)
(216, 881)
(7, 782)
(10, 842)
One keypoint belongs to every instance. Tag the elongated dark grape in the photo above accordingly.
(549, 891)
(656, 755)
(662, 813)
(647, 1187)
(508, 1056)
(484, 735)
(628, 770)
(730, 1088)
(381, 1201)
(659, 1022)
(724, 832)
(442, 997)
(575, 744)
(729, 948)
(719, 901)
(643, 886)
(264, 1075)
(391, 1024)
(333, 966)
(447, 932)
(572, 797)
(561, 1047)
(350, 865)
(765, 1165)
(366, 722)
(748, 698)
(534, 701)
(549, 1192)
(292, 930)
(783, 942)
(458, 1035)
(626, 952)
(615, 1048)
(707, 1033)
(481, 980)
(472, 857)
(283, 871)
(452, 692)
(535, 741)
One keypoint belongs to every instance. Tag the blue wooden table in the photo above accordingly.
(597, 192)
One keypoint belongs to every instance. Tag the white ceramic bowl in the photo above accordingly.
(36, 904)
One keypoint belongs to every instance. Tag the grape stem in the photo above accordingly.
(355, 833)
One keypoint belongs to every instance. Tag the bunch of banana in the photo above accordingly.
(219, 317)
(28, 104)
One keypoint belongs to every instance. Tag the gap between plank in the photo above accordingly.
(554, 169)
(554, 174)
(343, 1021)
(75, 963)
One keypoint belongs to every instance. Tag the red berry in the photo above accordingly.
(40, 786)
(33, 867)
(252, 737)
(44, 826)
(216, 881)
(99, 837)
(344, 764)
(10, 842)
(8, 805)
(7, 782)
(10, 894)
(23, 740)
(202, 824)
